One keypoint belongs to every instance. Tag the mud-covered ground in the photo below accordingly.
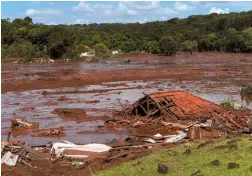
(34, 91)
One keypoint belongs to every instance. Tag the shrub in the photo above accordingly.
(168, 46)
(228, 103)
(101, 50)
(246, 91)
(25, 49)
(188, 46)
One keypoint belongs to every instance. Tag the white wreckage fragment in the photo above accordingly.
(176, 138)
(10, 159)
(58, 148)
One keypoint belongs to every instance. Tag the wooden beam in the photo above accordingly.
(148, 105)
(144, 109)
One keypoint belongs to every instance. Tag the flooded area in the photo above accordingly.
(33, 91)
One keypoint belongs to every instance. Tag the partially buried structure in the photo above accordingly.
(180, 106)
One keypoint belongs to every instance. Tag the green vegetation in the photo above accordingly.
(215, 32)
(228, 103)
(246, 91)
(168, 46)
(101, 50)
(180, 164)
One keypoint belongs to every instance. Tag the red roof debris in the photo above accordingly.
(188, 105)
(182, 106)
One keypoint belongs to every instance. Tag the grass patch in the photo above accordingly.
(199, 159)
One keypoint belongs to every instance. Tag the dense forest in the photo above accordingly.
(214, 32)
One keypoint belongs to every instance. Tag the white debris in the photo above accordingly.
(207, 124)
(77, 164)
(67, 142)
(176, 138)
(58, 148)
(150, 140)
(115, 52)
(10, 159)
(157, 136)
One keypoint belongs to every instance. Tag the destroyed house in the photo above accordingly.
(174, 104)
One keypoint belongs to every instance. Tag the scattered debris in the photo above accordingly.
(162, 168)
(77, 164)
(203, 133)
(21, 123)
(59, 148)
(33, 154)
(10, 159)
(158, 137)
(150, 140)
(52, 132)
(176, 138)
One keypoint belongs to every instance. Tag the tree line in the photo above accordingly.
(214, 32)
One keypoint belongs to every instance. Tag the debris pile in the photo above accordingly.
(52, 132)
(76, 155)
(180, 110)
(21, 123)
(13, 154)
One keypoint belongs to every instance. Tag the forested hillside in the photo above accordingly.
(215, 32)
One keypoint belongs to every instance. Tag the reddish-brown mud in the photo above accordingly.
(181, 67)
(33, 91)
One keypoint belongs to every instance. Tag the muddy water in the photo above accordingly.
(16, 104)
(220, 76)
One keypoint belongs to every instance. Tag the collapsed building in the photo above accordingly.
(182, 107)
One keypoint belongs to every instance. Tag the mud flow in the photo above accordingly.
(79, 97)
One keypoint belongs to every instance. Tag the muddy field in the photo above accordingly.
(34, 91)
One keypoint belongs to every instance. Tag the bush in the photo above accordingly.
(189, 46)
(101, 50)
(168, 46)
(228, 103)
(25, 49)
(246, 91)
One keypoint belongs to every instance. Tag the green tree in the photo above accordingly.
(168, 46)
(189, 46)
(101, 50)
(151, 47)
(128, 46)
(23, 50)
